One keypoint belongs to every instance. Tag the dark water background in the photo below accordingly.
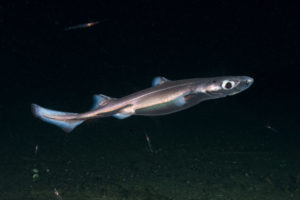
(220, 149)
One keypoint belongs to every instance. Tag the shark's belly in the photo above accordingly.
(159, 109)
(166, 106)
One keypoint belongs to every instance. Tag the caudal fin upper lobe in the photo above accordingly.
(57, 118)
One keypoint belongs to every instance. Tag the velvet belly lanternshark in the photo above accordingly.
(163, 98)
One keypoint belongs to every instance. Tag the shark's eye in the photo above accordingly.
(227, 85)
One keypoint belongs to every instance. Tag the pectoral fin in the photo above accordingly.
(180, 101)
(121, 115)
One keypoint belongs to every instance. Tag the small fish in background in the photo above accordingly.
(36, 149)
(80, 26)
(268, 126)
(149, 143)
(56, 193)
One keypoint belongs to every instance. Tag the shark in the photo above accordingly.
(164, 97)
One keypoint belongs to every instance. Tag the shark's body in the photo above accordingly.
(163, 98)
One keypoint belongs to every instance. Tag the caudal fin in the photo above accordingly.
(61, 119)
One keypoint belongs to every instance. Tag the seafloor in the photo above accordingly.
(109, 159)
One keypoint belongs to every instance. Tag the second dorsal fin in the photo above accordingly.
(100, 100)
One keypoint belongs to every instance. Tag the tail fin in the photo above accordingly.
(58, 118)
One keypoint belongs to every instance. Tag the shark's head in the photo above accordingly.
(227, 85)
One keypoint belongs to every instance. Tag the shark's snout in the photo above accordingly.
(249, 81)
(246, 82)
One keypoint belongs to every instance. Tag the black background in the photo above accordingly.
(138, 40)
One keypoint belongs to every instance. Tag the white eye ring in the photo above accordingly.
(227, 85)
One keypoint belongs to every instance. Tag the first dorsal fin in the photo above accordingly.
(159, 80)
(100, 100)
